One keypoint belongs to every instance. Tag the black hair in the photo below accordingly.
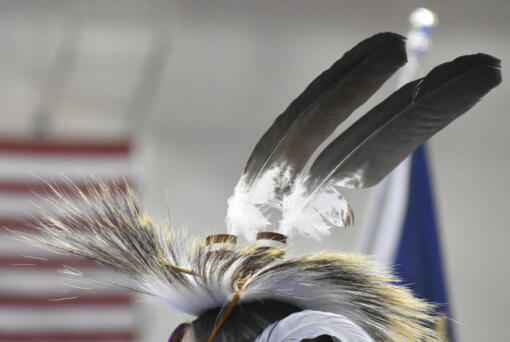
(245, 322)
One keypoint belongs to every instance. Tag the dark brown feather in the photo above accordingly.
(325, 103)
(368, 150)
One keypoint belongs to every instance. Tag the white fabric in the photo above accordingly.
(310, 324)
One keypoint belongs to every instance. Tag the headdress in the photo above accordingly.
(285, 190)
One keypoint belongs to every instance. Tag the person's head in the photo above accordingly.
(244, 324)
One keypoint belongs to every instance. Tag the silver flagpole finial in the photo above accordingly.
(422, 20)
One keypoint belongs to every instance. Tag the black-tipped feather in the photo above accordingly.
(325, 103)
(368, 150)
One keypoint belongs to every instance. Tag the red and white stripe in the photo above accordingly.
(36, 301)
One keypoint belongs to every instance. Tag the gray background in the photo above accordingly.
(222, 71)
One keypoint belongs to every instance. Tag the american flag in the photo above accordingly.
(35, 302)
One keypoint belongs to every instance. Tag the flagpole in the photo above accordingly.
(418, 40)
(402, 230)
(382, 230)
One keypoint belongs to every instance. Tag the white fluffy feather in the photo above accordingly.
(247, 207)
(314, 214)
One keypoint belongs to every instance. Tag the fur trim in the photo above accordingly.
(108, 227)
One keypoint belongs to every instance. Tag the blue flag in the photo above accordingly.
(403, 232)
(418, 259)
